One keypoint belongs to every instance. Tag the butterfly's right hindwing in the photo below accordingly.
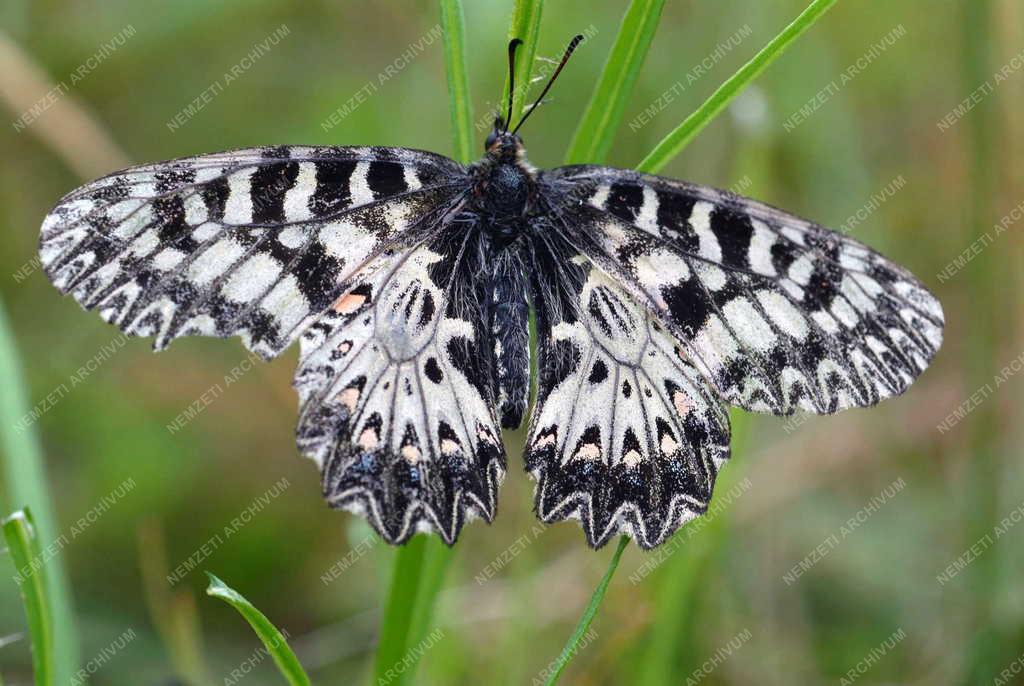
(254, 243)
(626, 435)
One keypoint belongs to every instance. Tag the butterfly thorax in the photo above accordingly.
(504, 186)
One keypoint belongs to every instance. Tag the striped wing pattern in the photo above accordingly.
(253, 243)
(778, 313)
(666, 300)
(344, 247)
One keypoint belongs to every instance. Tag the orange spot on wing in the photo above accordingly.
(349, 303)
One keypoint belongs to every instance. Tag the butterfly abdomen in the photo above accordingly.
(510, 328)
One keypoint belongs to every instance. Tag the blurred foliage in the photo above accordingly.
(319, 573)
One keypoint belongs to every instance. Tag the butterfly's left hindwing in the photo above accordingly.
(356, 250)
(396, 397)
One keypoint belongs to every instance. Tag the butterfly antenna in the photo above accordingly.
(513, 45)
(565, 58)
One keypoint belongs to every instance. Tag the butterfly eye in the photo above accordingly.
(491, 138)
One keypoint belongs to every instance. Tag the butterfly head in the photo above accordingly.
(504, 147)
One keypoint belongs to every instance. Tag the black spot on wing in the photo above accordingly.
(598, 373)
(317, 275)
(332, 187)
(427, 307)
(215, 194)
(386, 179)
(171, 178)
(674, 210)
(432, 370)
(117, 190)
(733, 231)
(783, 255)
(689, 306)
(169, 213)
(624, 200)
(267, 188)
(823, 285)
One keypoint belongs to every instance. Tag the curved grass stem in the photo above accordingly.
(588, 614)
(22, 540)
(274, 641)
(680, 137)
(596, 130)
(24, 485)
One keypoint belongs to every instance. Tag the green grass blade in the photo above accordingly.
(526, 27)
(588, 615)
(453, 22)
(436, 559)
(273, 640)
(25, 485)
(406, 576)
(680, 137)
(22, 539)
(596, 131)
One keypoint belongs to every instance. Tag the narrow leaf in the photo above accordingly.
(406, 576)
(274, 641)
(680, 137)
(569, 651)
(601, 119)
(454, 23)
(436, 559)
(526, 27)
(22, 539)
(24, 480)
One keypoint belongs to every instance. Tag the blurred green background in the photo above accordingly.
(731, 604)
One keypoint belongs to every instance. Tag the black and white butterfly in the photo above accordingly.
(408, 280)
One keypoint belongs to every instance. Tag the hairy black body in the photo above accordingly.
(504, 191)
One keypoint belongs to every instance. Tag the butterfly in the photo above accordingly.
(409, 281)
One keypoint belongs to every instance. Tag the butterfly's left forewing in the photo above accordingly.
(254, 243)
(357, 251)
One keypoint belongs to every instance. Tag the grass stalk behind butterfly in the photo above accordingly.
(25, 485)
